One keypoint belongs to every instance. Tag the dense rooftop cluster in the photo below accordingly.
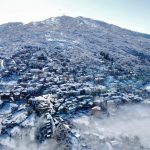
(62, 77)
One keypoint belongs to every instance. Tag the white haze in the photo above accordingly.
(26, 141)
(130, 120)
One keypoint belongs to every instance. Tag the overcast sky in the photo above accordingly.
(131, 14)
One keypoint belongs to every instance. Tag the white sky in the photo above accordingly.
(130, 14)
(30, 10)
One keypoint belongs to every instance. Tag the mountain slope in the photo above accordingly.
(55, 70)
(129, 49)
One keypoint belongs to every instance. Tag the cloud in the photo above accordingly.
(130, 121)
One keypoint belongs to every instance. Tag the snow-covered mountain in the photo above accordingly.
(74, 37)
(57, 74)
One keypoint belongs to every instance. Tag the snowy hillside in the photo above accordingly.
(60, 70)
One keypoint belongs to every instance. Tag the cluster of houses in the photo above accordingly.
(53, 85)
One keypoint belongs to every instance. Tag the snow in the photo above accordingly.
(15, 131)
(77, 43)
(16, 118)
(54, 39)
(13, 61)
(2, 63)
(46, 97)
(90, 23)
(49, 39)
(52, 20)
(30, 121)
(147, 87)
(7, 142)
(7, 108)
(8, 83)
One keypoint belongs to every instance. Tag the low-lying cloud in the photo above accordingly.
(129, 121)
